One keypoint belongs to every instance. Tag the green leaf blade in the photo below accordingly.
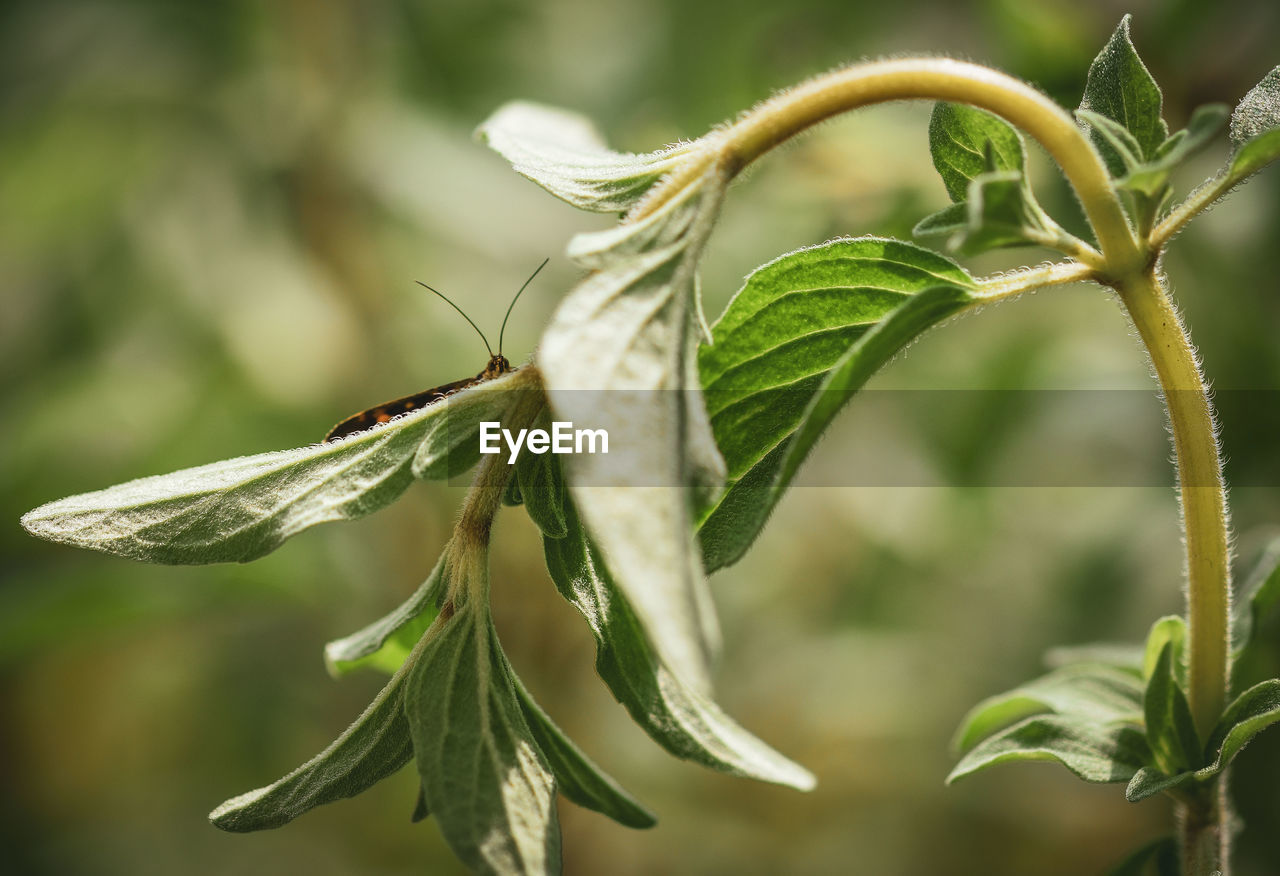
(795, 321)
(242, 509)
(562, 152)
(1120, 87)
(483, 776)
(1252, 712)
(1255, 128)
(542, 487)
(376, 745)
(1093, 752)
(388, 641)
(1093, 692)
(578, 778)
(1258, 597)
(1258, 111)
(618, 357)
(959, 139)
(678, 717)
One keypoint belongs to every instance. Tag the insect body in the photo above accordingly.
(498, 365)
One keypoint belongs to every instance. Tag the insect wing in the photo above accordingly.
(389, 410)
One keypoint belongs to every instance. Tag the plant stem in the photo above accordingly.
(1202, 821)
(1029, 279)
(470, 541)
(790, 112)
(1195, 204)
(1204, 508)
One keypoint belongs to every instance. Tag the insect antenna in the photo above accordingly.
(464, 315)
(517, 298)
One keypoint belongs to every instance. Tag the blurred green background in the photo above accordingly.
(211, 215)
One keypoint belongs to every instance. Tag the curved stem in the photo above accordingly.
(790, 112)
(1202, 489)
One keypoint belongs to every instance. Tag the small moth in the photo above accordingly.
(498, 365)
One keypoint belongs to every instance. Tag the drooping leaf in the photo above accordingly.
(1171, 732)
(1094, 752)
(678, 717)
(1258, 596)
(542, 486)
(385, 643)
(562, 152)
(615, 357)
(959, 138)
(1248, 715)
(241, 509)
(1093, 692)
(1120, 87)
(1157, 858)
(577, 777)
(811, 326)
(372, 748)
(483, 776)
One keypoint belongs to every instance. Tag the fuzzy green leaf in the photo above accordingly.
(1252, 712)
(372, 748)
(241, 509)
(1170, 729)
(1120, 88)
(562, 152)
(385, 643)
(1258, 111)
(1001, 213)
(1093, 692)
(618, 356)
(804, 333)
(483, 776)
(1094, 752)
(959, 138)
(578, 778)
(1258, 596)
(1255, 155)
(1149, 781)
(1169, 630)
(1124, 146)
(946, 223)
(681, 719)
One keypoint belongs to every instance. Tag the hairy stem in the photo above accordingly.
(790, 112)
(1202, 826)
(1195, 204)
(475, 522)
(1030, 279)
(1203, 492)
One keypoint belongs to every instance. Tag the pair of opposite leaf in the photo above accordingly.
(1120, 714)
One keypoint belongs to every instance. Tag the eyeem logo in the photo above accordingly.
(562, 438)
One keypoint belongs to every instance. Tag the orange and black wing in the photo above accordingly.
(389, 410)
